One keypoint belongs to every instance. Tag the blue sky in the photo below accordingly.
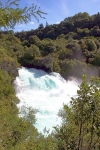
(58, 10)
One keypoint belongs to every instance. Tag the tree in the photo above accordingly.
(47, 24)
(81, 120)
(11, 14)
(34, 40)
(41, 26)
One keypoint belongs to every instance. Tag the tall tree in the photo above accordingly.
(81, 121)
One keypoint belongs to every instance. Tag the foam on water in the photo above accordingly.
(45, 92)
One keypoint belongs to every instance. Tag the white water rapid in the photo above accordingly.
(45, 92)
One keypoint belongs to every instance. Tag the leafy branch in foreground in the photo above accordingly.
(11, 14)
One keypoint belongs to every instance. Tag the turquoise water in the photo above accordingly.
(45, 92)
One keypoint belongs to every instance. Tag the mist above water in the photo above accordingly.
(45, 92)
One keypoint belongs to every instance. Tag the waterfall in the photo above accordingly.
(45, 92)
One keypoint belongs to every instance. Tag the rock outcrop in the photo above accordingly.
(44, 63)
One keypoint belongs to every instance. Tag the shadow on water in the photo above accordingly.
(37, 73)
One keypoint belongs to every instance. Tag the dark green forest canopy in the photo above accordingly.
(82, 23)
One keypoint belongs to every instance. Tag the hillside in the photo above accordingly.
(72, 44)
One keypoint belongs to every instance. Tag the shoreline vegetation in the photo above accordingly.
(71, 48)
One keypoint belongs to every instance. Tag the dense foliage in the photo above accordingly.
(71, 48)
(74, 43)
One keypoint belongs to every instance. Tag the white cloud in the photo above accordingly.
(31, 22)
(57, 22)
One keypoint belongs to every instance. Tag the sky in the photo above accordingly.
(57, 11)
